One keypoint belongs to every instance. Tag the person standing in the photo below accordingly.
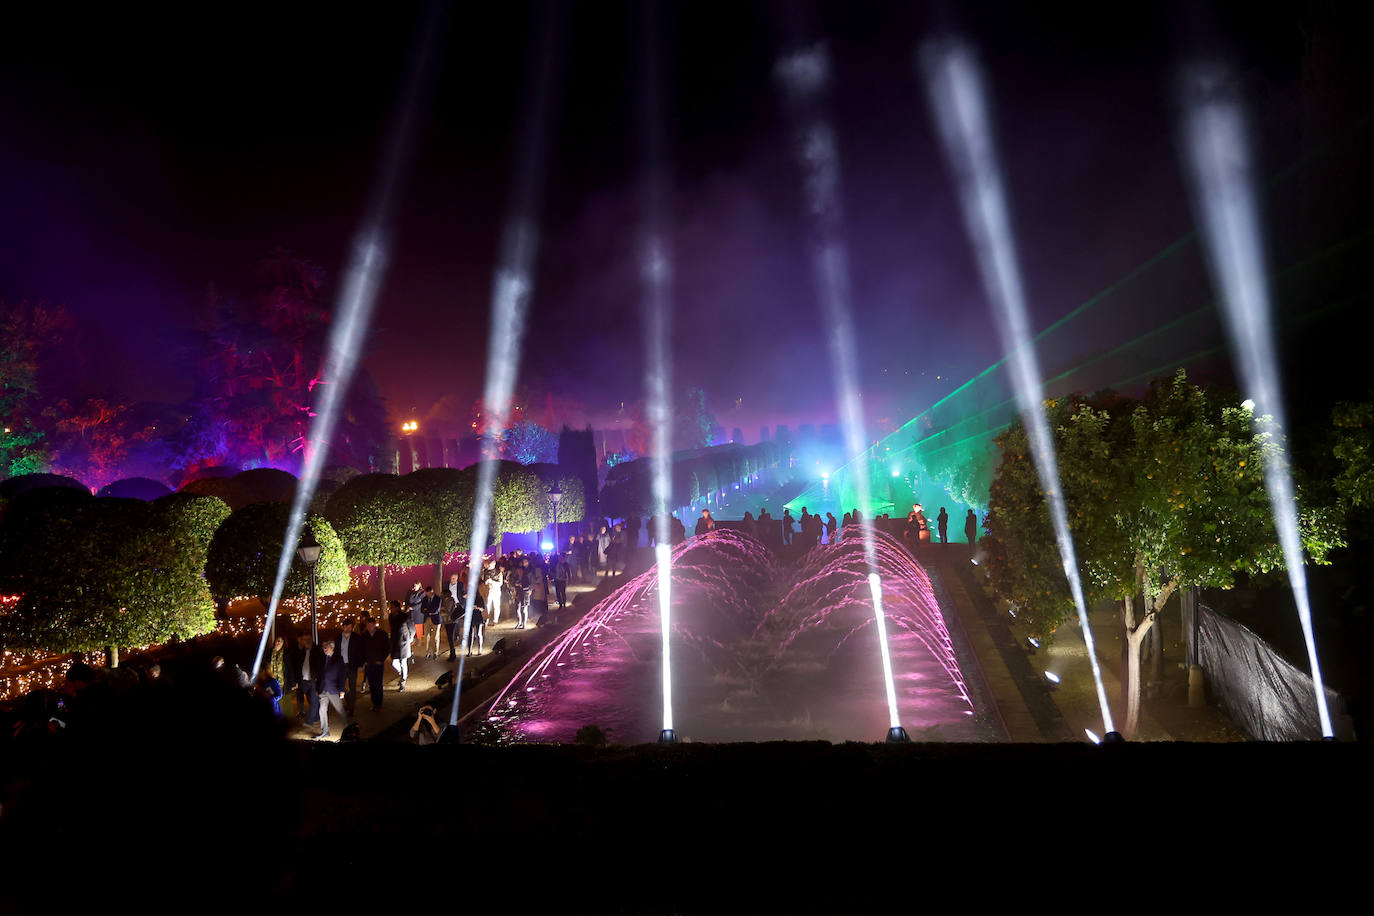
(350, 649)
(705, 524)
(376, 647)
(276, 663)
(293, 660)
(312, 667)
(632, 525)
(562, 572)
(786, 527)
(430, 607)
(495, 579)
(603, 546)
(402, 642)
(942, 521)
(971, 527)
(524, 590)
(476, 627)
(331, 682)
(830, 527)
(588, 552)
(539, 594)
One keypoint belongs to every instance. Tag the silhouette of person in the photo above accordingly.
(942, 521)
(971, 527)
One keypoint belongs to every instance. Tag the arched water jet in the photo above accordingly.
(761, 652)
(805, 77)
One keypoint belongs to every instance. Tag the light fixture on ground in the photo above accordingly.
(897, 735)
(309, 553)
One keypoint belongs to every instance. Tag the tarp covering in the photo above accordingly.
(1264, 696)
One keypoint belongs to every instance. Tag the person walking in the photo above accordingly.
(350, 649)
(476, 627)
(496, 578)
(971, 527)
(376, 647)
(942, 522)
(331, 682)
(562, 572)
(431, 607)
(402, 641)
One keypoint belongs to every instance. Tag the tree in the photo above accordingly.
(577, 453)
(572, 505)
(528, 442)
(246, 548)
(260, 375)
(1164, 493)
(25, 331)
(519, 501)
(1353, 447)
(693, 420)
(375, 516)
(235, 494)
(105, 573)
(441, 500)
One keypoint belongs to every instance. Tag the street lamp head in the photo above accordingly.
(555, 494)
(309, 549)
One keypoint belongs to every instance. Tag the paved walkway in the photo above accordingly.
(1031, 710)
(399, 709)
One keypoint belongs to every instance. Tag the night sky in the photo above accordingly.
(145, 156)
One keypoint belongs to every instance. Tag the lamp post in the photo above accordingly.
(309, 552)
(554, 496)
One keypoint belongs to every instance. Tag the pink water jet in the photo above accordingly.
(760, 652)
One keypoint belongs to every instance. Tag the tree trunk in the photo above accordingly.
(381, 587)
(439, 576)
(112, 656)
(1131, 684)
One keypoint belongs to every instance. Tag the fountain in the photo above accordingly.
(760, 652)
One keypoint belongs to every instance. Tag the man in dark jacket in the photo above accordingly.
(402, 639)
(350, 649)
(562, 572)
(293, 659)
(331, 684)
(431, 606)
(312, 668)
(376, 647)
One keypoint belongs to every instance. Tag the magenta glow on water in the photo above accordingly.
(760, 652)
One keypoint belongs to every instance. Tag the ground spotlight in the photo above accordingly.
(1092, 736)
(450, 735)
(1053, 679)
(1216, 145)
(667, 736)
(1032, 644)
(963, 120)
(1113, 737)
(897, 735)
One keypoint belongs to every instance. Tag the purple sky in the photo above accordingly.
(142, 158)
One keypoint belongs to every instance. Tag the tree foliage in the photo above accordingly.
(26, 329)
(105, 572)
(572, 505)
(1163, 493)
(1353, 447)
(245, 551)
(376, 523)
(529, 443)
